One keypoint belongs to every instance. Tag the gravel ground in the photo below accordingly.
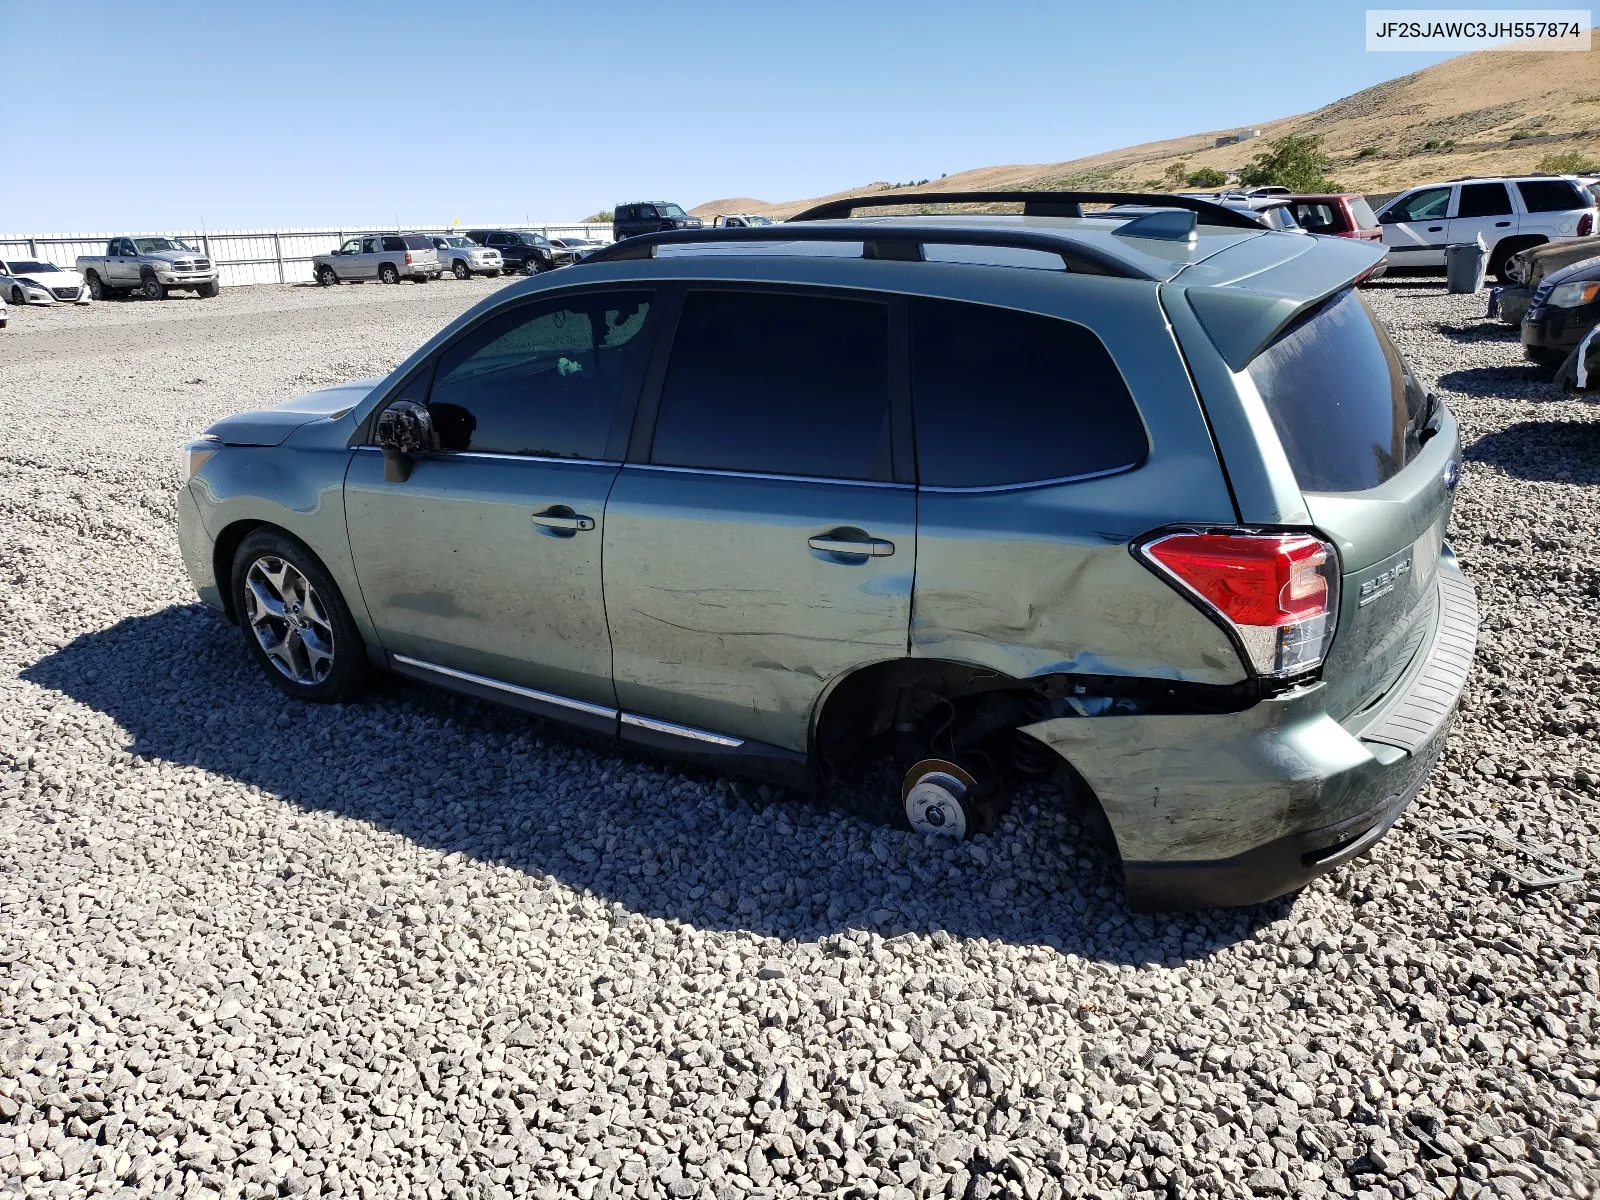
(420, 947)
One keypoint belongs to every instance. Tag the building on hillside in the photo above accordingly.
(1243, 135)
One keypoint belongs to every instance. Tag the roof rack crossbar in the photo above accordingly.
(1034, 204)
(1075, 256)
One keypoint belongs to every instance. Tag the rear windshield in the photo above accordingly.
(1362, 212)
(1344, 403)
(415, 241)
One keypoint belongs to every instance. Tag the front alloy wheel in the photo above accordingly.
(154, 289)
(460, 269)
(289, 620)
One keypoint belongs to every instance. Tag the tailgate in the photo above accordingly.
(1376, 459)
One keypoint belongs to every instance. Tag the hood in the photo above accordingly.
(1578, 272)
(272, 426)
(175, 255)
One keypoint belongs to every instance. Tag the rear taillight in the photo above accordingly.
(408, 258)
(1586, 224)
(1279, 592)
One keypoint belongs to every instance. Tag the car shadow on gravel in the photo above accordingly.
(1482, 331)
(655, 837)
(1543, 451)
(1514, 381)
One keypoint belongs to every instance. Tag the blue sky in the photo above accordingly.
(170, 113)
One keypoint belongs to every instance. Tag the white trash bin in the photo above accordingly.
(1464, 266)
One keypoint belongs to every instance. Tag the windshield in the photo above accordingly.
(669, 210)
(534, 239)
(457, 243)
(29, 267)
(160, 245)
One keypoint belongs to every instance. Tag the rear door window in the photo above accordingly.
(1003, 397)
(1343, 401)
(1484, 200)
(547, 379)
(1549, 195)
(777, 384)
(1316, 217)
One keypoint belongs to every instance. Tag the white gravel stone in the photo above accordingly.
(420, 947)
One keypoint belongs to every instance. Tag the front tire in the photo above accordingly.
(153, 288)
(296, 624)
(326, 277)
(388, 273)
(17, 297)
(208, 291)
(530, 266)
(460, 269)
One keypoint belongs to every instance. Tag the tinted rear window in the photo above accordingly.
(415, 241)
(1003, 397)
(1550, 195)
(777, 384)
(1484, 200)
(1342, 399)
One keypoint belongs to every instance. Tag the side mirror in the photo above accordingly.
(1390, 217)
(405, 429)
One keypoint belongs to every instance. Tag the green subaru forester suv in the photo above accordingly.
(1148, 506)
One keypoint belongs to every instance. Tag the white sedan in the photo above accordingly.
(29, 281)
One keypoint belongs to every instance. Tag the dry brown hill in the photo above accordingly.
(1465, 116)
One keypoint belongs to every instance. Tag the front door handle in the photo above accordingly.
(1502, 224)
(1435, 228)
(560, 521)
(861, 547)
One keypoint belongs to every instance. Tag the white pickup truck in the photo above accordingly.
(150, 265)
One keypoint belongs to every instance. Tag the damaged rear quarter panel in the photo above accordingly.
(1040, 580)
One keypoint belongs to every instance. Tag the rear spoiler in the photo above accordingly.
(1243, 315)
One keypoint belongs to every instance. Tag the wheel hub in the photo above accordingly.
(937, 795)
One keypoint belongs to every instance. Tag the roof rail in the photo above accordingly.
(903, 242)
(1034, 204)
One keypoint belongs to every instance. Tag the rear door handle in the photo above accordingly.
(861, 547)
(561, 521)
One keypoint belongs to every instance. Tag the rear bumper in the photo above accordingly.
(1213, 810)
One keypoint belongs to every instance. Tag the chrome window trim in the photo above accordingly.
(1036, 483)
(684, 731)
(596, 710)
(870, 483)
(445, 455)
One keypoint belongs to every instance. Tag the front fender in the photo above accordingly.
(297, 487)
